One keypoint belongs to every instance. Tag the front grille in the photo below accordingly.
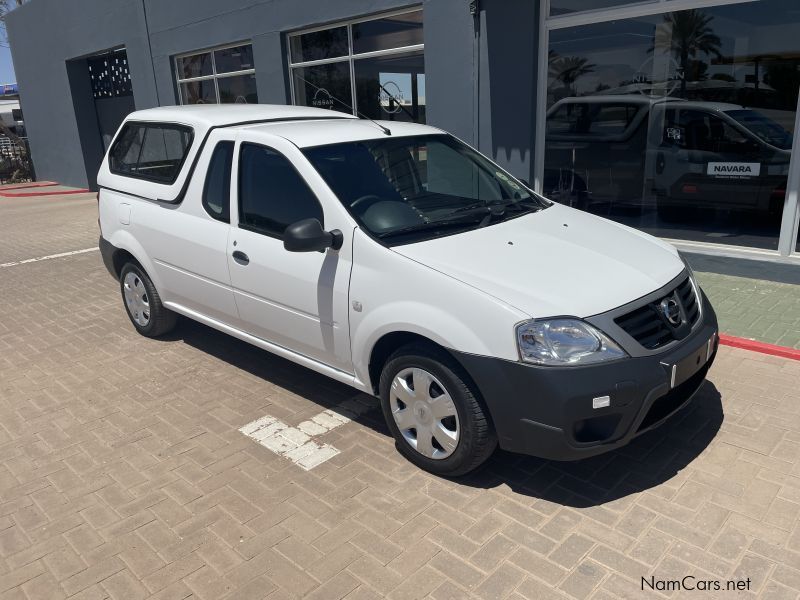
(650, 327)
(689, 300)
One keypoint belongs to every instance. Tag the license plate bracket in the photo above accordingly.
(688, 366)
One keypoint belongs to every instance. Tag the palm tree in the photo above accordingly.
(687, 34)
(568, 69)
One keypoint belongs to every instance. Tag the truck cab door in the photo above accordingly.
(296, 300)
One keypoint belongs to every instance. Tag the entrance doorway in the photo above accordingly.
(102, 95)
(112, 91)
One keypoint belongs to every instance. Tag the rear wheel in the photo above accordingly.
(434, 412)
(143, 304)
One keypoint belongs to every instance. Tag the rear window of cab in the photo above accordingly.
(151, 151)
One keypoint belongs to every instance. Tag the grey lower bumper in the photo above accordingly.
(107, 251)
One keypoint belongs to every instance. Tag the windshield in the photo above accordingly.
(765, 128)
(406, 189)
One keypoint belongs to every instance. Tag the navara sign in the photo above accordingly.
(734, 169)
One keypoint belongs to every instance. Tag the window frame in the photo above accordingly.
(350, 57)
(203, 202)
(151, 125)
(239, 174)
(215, 76)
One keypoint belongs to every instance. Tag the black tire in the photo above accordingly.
(161, 320)
(477, 438)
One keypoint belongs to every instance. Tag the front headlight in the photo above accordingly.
(565, 342)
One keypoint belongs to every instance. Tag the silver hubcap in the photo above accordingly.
(136, 299)
(424, 413)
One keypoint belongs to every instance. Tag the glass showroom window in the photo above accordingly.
(373, 66)
(221, 75)
(679, 123)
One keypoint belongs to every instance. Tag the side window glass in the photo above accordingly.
(152, 152)
(162, 153)
(673, 133)
(272, 194)
(697, 131)
(727, 138)
(217, 189)
(124, 156)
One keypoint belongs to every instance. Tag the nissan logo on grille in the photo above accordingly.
(671, 310)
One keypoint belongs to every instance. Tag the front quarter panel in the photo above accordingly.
(397, 294)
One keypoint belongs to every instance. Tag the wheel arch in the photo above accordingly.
(124, 248)
(120, 258)
(384, 347)
(390, 342)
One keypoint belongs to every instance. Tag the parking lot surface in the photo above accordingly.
(123, 473)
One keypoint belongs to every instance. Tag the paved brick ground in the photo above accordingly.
(752, 308)
(43, 225)
(123, 475)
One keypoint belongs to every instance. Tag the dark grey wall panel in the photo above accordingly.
(272, 76)
(87, 126)
(449, 67)
(507, 82)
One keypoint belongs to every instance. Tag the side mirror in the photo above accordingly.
(309, 236)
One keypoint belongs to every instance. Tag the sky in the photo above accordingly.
(6, 66)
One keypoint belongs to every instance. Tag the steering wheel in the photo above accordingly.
(364, 199)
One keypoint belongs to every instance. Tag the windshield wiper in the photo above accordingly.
(495, 204)
(486, 212)
(428, 225)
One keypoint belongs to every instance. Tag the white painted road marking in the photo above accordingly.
(296, 443)
(48, 257)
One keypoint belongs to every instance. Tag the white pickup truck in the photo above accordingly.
(396, 259)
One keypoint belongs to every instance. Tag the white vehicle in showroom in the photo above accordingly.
(398, 260)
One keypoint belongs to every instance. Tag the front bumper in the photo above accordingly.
(548, 411)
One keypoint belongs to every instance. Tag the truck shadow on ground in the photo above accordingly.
(648, 461)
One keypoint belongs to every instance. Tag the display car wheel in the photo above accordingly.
(434, 411)
(143, 304)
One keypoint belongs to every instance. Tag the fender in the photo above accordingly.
(422, 319)
(398, 294)
(122, 239)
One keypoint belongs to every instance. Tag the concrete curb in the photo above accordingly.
(25, 186)
(755, 346)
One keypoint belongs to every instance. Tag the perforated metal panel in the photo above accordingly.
(110, 75)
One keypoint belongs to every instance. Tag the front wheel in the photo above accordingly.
(143, 304)
(434, 412)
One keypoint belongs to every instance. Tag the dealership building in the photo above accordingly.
(676, 117)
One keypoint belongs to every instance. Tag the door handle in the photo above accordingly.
(240, 257)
